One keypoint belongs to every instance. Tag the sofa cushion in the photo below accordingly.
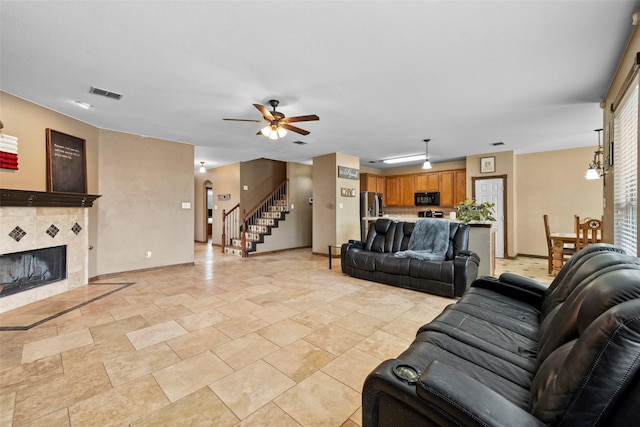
(435, 270)
(380, 236)
(393, 265)
(361, 259)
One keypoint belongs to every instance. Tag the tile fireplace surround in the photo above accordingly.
(28, 228)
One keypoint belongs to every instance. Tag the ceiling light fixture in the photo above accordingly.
(202, 168)
(596, 167)
(273, 131)
(84, 105)
(405, 159)
(427, 163)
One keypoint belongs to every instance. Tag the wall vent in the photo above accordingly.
(107, 93)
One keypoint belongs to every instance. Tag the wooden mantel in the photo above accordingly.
(51, 199)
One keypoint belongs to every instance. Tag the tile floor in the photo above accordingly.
(277, 340)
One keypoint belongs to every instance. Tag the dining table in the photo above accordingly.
(558, 241)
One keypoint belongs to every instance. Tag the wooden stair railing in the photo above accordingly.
(230, 227)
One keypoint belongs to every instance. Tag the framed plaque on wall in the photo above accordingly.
(487, 164)
(66, 163)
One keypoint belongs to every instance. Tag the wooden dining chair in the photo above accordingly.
(566, 251)
(588, 232)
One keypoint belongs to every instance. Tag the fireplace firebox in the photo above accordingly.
(20, 271)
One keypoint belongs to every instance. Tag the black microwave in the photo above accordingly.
(431, 198)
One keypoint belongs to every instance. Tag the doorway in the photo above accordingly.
(209, 212)
(492, 190)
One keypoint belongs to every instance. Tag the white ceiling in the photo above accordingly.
(382, 75)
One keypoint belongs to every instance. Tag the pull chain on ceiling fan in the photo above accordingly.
(278, 124)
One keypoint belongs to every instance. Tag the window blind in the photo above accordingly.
(626, 171)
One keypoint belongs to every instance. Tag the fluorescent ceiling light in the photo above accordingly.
(405, 159)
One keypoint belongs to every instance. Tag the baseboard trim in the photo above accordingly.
(275, 251)
(141, 270)
(531, 256)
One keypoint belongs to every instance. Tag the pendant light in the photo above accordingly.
(596, 167)
(427, 163)
(202, 168)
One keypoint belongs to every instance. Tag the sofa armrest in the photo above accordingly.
(467, 400)
(515, 286)
(352, 244)
(441, 396)
(465, 271)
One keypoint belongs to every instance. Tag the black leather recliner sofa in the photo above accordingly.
(513, 352)
(374, 260)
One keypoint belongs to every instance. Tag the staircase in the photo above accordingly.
(257, 224)
(255, 233)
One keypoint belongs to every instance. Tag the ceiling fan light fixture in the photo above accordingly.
(273, 132)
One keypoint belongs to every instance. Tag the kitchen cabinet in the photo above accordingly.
(451, 184)
(392, 192)
(427, 182)
(446, 188)
(374, 183)
(407, 190)
(459, 186)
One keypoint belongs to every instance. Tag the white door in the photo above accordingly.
(492, 191)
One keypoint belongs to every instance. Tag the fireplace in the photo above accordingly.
(20, 271)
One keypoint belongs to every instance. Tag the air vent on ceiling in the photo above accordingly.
(107, 93)
(495, 144)
(300, 142)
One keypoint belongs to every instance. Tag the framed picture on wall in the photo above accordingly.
(487, 164)
(66, 163)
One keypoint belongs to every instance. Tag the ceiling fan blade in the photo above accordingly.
(295, 129)
(265, 113)
(244, 120)
(308, 118)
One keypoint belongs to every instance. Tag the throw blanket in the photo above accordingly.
(429, 240)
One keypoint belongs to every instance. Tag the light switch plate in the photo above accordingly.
(186, 205)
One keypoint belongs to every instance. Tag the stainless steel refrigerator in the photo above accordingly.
(370, 206)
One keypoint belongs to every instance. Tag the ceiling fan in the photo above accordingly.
(278, 123)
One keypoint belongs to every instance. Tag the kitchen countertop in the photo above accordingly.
(414, 218)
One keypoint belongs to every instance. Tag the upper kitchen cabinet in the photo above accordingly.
(459, 186)
(427, 182)
(446, 188)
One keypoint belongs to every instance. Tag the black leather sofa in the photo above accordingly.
(374, 260)
(514, 352)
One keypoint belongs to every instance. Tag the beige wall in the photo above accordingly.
(260, 177)
(295, 231)
(348, 208)
(336, 219)
(625, 66)
(553, 183)
(142, 182)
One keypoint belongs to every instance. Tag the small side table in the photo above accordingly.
(335, 245)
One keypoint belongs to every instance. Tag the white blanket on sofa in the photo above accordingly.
(429, 240)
